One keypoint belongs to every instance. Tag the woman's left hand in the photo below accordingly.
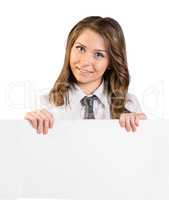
(130, 121)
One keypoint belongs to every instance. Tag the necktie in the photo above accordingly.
(87, 102)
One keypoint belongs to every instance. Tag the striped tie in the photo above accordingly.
(87, 102)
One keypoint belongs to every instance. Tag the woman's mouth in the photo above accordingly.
(84, 71)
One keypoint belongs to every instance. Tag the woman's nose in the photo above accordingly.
(87, 59)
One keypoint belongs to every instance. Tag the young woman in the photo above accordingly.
(94, 80)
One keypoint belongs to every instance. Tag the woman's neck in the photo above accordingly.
(89, 88)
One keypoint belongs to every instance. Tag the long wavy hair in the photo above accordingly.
(116, 76)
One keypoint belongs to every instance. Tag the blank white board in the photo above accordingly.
(84, 160)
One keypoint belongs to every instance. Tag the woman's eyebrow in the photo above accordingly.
(94, 49)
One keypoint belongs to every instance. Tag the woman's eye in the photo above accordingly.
(99, 55)
(81, 49)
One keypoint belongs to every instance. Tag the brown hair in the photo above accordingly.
(116, 76)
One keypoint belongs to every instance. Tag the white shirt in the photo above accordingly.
(75, 111)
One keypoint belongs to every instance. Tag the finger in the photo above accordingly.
(122, 120)
(132, 122)
(46, 120)
(127, 122)
(137, 120)
(50, 116)
(44, 125)
(31, 119)
(40, 119)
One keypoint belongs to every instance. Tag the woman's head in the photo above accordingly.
(95, 51)
(89, 59)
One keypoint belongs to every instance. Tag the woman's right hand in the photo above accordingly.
(41, 120)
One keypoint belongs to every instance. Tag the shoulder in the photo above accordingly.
(132, 103)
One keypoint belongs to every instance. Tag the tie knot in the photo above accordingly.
(88, 101)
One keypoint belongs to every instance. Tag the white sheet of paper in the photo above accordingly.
(85, 160)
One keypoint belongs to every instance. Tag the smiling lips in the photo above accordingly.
(84, 71)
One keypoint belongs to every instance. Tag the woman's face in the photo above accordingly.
(89, 58)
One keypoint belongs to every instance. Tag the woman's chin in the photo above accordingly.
(83, 79)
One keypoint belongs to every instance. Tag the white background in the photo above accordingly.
(32, 45)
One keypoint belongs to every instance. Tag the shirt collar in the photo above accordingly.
(76, 94)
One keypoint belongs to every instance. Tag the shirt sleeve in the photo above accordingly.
(132, 103)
